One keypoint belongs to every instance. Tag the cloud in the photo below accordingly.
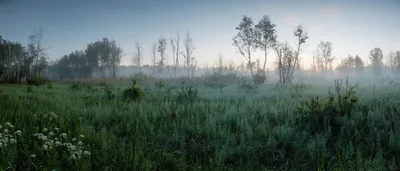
(330, 11)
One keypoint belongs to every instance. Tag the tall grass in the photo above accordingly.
(192, 127)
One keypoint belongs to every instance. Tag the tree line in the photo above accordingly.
(262, 36)
(102, 58)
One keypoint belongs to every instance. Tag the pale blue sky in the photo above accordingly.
(353, 26)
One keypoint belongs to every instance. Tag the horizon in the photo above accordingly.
(353, 27)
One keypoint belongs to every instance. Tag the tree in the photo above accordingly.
(173, 54)
(37, 50)
(398, 61)
(104, 57)
(392, 61)
(115, 60)
(162, 45)
(347, 65)
(154, 57)
(71, 66)
(376, 57)
(359, 65)
(177, 51)
(14, 62)
(188, 52)
(245, 41)
(266, 36)
(288, 58)
(137, 57)
(92, 55)
(324, 56)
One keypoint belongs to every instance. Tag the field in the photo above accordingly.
(191, 126)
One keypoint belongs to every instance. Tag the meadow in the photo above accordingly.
(188, 125)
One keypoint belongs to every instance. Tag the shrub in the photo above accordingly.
(36, 80)
(218, 80)
(248, 88)
(259, 77)
(109, 92)
(319, 115)
(133, 92)
(160, 84)
(76, 86)
(49, 86)
(187, 94)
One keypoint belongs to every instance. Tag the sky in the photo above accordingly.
(353, 26)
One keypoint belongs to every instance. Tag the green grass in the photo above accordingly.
(271, 128)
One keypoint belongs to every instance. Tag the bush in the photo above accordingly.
(36, 80)
(76, 86)
(319, 115)
(109, 92)
(187, 94)
(260, 77)
(49, 86)
(248, 88)
(134, 92)
(218, 80)
(160, 84)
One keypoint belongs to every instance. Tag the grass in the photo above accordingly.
(195, 127)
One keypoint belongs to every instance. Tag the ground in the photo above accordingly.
(174, 126)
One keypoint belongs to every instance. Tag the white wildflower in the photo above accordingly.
(1, 127)
(81, 136)
(86, 153)
(5, 131)
(45, 130)
(58, 143)
(56, 129)
(51, 133)
(33, 156)
(9, 125)
(53, 115)
(73, 157)
(18, 132)
(13, 141)
(64, 135)
(73, 139)
(80, 143)
(45, 147)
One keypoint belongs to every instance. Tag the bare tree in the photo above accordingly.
(36, 41)
(177, 51)
(220, 65)
(173, 46)
(392, 61)
(288, 58)
(137, 57)
(324, 55)
(245, 41)
(398, 60)
(188, 52)
(162, 45)
(154, 57)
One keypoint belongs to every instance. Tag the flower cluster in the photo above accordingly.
(7, 136)
(48, 116)
(52, 138)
